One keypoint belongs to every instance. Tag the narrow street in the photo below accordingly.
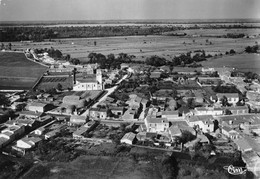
(109, 91)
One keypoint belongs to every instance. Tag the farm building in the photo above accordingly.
(28, 142)
(74, 119)
(80, 132)
(128, 138)
(38, 107)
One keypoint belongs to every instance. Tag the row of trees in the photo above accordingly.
(39, 33)
(252, 49)
(112, 62)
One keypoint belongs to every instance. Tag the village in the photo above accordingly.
(211, 110)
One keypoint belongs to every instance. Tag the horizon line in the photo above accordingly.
(160, 19)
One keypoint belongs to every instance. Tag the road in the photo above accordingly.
(109, 91)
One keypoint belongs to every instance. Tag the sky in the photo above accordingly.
(37, 10)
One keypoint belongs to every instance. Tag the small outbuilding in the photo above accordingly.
(128, 138)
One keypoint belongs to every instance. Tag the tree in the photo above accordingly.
(4, 101)
(191, 103)
(59, 87)
(169, 167)
(232, 51)
(186, 136)
(224, 101)
(2, 46)
(9, 46)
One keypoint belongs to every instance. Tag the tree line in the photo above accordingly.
(39, 33)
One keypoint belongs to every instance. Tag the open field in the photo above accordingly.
(211, 32)
(165, 46)
(49, 82)
(17, 72)
(97, 168)
(243, 62)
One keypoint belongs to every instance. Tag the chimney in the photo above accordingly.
(74, 75)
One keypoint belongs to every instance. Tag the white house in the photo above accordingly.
(208, 111)
(229, 132)
(37, 107)
(203, 122)
(156, 124)
(232, 98)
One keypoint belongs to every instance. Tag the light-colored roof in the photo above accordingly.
(157, 120)
(208, 118)
(80, 130)
(37, 104)
(170, 112)
(228, 95)
(129, 136)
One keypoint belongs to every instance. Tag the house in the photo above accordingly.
(207, 70)
(203, 122)
(232, 98)
(80, 132)
(229, 132)
(28, 142)
(39, 131)
(243, 145)
(237, 109)
(13, 131)
(208, 111)
(3, 142)
(51, 134)
(130, 114)
(78, 120)
(30, 114)
(98, 113)
(88, 82)
(240, 121)
(184, 111)
(155, 74)
(170, 115)
(117, 110)
(174, 131)
(156, 124)
(128, 138)
(38, 107)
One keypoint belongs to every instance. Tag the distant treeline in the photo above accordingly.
(40, 33)
(112, 62)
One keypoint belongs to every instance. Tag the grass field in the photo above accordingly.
(165, 46)
(97, 168)
(17, 72)
(243, 62)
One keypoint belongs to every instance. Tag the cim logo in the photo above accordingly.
(235, 170)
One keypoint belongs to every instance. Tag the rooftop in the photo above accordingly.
(157, 120)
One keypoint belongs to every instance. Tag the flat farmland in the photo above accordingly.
(17, 72)
(97, 168)
(243, 62)
(145, 46)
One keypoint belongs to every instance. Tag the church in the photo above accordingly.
(88, 82)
